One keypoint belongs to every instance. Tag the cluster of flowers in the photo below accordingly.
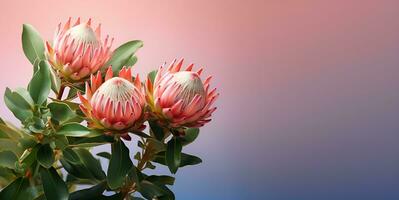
(176, 97)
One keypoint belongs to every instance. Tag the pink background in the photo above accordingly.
(309, 89)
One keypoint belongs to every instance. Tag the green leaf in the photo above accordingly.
(45, 156)
(55, 81)
(156, 130)
(61, 142)
(122, 55)
(190, 135)
(8, 131)
(186, 159)
(8, 159)
(91, 141)
(152, 75)
(105, 155)
(40, 85)
(54, 187)
(132, 60)
(164, 180)
(71, 156)
(73, 130)
(32, 44)
(90, 193)
(10, 145)
(30, 156)
(91, 163)
(26, 96)
(173, 154)
(17, 190)
(150, 191)
(119, 165)
(61, 111)
(17, 105)
(77, 170)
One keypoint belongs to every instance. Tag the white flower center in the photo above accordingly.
(115, 89)
(190, 84)
(83, 33)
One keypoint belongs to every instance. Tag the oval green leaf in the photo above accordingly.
(53, 185)
(61, 111)
(17, 105)
(119, 165)
(190, 135)
(173, 154)
(17, 190)
(45, 156)
(71, 156)
(32, 43)
(73, 130)
(40, 85)
(122, 56)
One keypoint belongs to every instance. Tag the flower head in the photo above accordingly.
(180, 98)
(117, 104)
(77, 50)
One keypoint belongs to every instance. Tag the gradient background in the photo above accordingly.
(309, 104)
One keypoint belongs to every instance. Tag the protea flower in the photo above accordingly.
(180, 98)
(77, 50)
(115, 105)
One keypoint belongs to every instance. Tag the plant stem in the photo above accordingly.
(61, 92)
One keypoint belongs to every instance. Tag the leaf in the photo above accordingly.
(77, 170)
(190, 135)
(55, 81)
(71, 156)
(54, 187)
(122, 55)
(156, 130)
(32, 44)
(91, 141)
(40, 85)
(8, 131)
(164, 180)
(150, 191)
(89, 193)
(105, 155)
(186, 159)
(17, 105)
(45, 156)
(8, 159)
(61, 111)
(119, 165)
(173, 154)
(17, 190)
(74, 130)
(152, 75)
(30, 156)
(91, 163)
(132, 60)
(10, 145)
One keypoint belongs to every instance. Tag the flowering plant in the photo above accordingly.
(95, 100)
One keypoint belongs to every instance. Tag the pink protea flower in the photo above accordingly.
(180, 98)
(115, 105)
(77, 50)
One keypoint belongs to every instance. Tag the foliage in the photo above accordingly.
(54, 136)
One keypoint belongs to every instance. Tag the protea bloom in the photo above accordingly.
(77, 50)
(180, 98)
(115, 105)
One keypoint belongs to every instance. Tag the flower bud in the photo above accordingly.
(180, 98)
(117, 104)
(77, 50)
